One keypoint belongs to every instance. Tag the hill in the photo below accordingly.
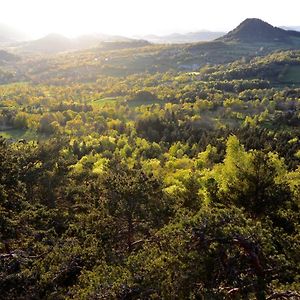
(118, 45)
(178, 38)
(256, 30)
(10, 35)
(51, 43)
(56, 43)
(124, 57)
(6, 57)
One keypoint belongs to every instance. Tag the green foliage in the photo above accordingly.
(152, 185)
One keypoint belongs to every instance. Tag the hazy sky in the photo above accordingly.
(135, 17)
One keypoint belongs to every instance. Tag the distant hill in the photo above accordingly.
(295, 28)
(93, 40)
(253, 38)
(51, 43)
(178, 38)
(10, 35)
(6, 57)
(258, 31)
(55, 43)
(118, 45)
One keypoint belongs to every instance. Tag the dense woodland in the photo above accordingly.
(120, 182)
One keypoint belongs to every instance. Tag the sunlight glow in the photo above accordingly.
(134, 17)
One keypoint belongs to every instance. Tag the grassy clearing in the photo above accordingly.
(18, 134)
(136, 103)
(103, 101)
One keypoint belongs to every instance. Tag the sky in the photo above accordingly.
(139, 17)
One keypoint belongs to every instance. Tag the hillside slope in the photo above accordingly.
(256, 30)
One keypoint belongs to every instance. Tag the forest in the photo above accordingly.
(129, 172)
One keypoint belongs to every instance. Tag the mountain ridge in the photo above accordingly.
(55, 43)
(9, 34)
(180, 38)
(256, 30)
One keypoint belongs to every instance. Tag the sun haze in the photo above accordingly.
(134, 17)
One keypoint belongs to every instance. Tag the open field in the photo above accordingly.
(18, 134)
(103, 101)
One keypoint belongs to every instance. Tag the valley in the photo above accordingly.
(134, 170)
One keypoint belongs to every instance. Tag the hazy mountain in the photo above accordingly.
(295, 28)
(118, 45)
(10, 35)
(51, 43)
(177, 38)
(55, 43)
(257, 31)
(93, 40)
